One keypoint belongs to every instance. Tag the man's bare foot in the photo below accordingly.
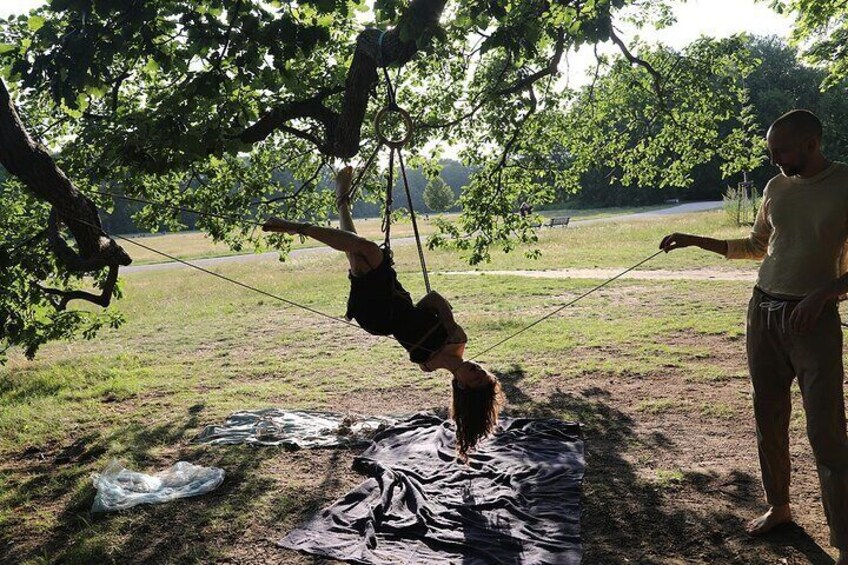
(776, 516)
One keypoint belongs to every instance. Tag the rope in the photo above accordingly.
(387, 216)
(564, 306)
(362, 171)
(27, 241)
(234, 219)
(346, 322)
(233, 281)
(381, 63)
(414, 225)
(395, 146)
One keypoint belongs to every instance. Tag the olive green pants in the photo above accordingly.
(776, 355)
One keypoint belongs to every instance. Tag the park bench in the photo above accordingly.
(561, 221)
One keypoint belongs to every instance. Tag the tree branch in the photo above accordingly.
(297, 192)
(657, 78)
(103, 299)
(551, 69)
(479, 99)
(278, 118)
(40, 175)
(374, 49)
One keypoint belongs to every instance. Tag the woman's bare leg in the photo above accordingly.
(343, 182)
(360, 263)
(363, 255)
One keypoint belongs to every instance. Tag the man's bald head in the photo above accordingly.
(794, 142)
(799, 124)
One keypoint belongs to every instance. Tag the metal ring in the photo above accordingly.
(407, 122)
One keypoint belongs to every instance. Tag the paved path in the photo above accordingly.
(687, 208)
(304, 252)
(601, 274)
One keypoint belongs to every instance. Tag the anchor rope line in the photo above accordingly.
(564, 306)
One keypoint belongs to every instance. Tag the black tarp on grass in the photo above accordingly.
(516, 502)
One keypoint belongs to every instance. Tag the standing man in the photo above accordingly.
(793, 326)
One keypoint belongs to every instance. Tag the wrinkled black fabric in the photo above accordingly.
(516, 502)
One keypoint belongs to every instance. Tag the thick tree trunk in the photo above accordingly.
(34, 167)
(342, 131)
(419, 22)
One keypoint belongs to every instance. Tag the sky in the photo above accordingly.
(716, 18)
(713, 18)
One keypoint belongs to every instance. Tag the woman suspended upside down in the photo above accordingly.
(427, 330)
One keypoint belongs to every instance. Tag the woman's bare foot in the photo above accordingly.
(344, 178)
(776, 516)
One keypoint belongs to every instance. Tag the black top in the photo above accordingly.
(381, 306)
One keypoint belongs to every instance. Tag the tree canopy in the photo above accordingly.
(202, 105)
(822, 27)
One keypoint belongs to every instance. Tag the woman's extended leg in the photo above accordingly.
(363, 255)
(360, 263)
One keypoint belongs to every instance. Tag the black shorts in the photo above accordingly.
(374, 297)
(381, 306)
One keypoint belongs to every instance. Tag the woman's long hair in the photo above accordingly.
(475, 411)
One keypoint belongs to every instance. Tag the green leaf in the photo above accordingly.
(152, 67)
(35, 23)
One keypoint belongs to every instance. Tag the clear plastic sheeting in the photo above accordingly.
(294, 429)
(119, 488)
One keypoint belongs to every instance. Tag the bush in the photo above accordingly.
(741, 204)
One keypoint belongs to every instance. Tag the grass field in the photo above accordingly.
(654, 370)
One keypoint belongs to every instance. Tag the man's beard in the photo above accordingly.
(792, 170)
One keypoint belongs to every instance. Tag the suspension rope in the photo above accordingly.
(564, 306)
(381, 63)
(395, 146)
(362, 171)
(233, 281)
(414, 225)
(235, 219)
(351, 324)
(387, 214)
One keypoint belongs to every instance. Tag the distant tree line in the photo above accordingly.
(779, 82)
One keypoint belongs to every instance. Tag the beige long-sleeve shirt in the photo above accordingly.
(800, 233)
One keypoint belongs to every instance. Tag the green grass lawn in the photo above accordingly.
(196, 348)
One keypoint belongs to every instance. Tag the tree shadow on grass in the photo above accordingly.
(627, 519)
(180, 531)
(624, 517)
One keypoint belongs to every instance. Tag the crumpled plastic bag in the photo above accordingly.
(119, 488)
